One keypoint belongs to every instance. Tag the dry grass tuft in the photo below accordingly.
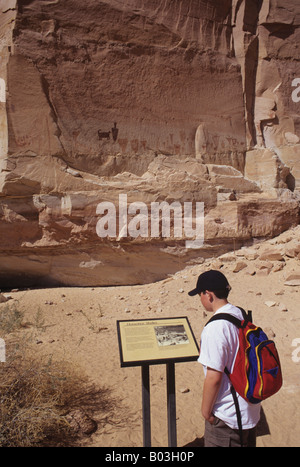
(37, 393)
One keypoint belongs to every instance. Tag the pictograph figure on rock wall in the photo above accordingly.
(106, 134)
(103, 134)
(115, 132)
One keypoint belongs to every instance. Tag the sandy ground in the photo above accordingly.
(79, 325)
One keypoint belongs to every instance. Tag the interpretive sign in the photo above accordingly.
(156, 341)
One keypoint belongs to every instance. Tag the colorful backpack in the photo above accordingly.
(257, 372)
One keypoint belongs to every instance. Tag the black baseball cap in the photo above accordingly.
(210, 280)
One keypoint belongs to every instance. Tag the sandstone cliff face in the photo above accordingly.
(124, 79)
(186, 100)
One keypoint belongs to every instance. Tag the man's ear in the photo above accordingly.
(210, 296)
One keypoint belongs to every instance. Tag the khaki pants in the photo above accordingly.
(221, 435)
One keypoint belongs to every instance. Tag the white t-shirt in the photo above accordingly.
(219, 346)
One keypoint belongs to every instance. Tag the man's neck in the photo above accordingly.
(219, 303)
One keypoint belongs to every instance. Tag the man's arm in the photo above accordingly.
(211, 388)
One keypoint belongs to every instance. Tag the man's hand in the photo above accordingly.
(211, 419)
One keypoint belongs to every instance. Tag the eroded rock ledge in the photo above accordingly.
(185, 101)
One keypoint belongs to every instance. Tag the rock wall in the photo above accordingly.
(174, 100)
(124, 78)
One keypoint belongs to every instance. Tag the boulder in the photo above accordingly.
(293, 280)
(251, 255)
(228, 177)
(270, 303)
(239, 266)
(3, 299)
(271, 254)
(290, 156)
(292, 250)
(265, 168)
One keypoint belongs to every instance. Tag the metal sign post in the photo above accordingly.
(171, 401)
(146, 406)
(154, 342)
(171, 398)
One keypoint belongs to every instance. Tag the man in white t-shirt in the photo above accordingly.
(219, 346)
